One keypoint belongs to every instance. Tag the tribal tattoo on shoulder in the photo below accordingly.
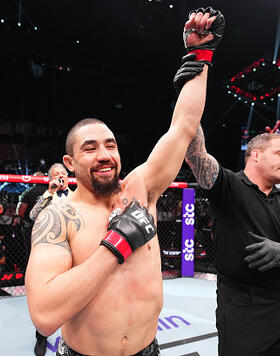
(53, 224)
(204, 167)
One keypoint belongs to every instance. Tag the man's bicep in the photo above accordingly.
(50, 253)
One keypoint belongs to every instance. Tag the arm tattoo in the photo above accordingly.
(52, 225)
(204, 167)
(38, 207)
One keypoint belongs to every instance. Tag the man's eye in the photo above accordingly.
(90, 148)
(110, 147)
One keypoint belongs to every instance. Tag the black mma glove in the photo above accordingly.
(129, 230)
(264, 254)
(188, 70)
(204, 52)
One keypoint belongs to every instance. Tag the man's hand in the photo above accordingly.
(133, 228)
(203, 31)
(54, 185)
(188, 70)
(264, 254)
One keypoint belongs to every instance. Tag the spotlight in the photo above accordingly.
(274, 62)
(254, 69)
(19, 24)
(171, 6)
(77, 41)
(2, 20)
(35, 28)
(252, 104)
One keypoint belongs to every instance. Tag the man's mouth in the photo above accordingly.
(103, 170)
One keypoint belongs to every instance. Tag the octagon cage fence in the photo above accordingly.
(15, 233)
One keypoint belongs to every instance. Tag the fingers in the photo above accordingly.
(267, 266)
(199, 22)
(261, 263)
(209, 22)
(256, 237)
(197, 66)
(255, 256)
(254, 247)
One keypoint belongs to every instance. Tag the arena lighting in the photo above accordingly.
(250, 117)
(277, 38)
(234, 87)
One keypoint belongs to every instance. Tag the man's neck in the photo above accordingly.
(256, 178)
(87, 196)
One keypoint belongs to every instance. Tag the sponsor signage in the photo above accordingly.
(188, 211)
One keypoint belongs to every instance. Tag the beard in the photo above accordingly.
(108, 188)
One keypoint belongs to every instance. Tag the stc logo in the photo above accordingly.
(189, 214)
(188, 220)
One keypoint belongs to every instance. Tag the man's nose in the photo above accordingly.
(103, 154)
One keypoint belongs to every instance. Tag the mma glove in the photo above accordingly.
(204, 52)
(188, 70)
(133, 228)
(264, 254)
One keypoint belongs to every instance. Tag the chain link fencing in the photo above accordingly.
(15, 234)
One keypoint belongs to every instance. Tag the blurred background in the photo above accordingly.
(115, 60)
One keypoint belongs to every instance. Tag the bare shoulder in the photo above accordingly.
(55, 223)
(204, 166)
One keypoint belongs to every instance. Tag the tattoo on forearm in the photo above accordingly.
(204, 166)
(52, 225)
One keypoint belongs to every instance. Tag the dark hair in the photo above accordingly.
(71, 134)
(259, 142)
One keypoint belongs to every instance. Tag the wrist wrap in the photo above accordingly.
(204, 55)
(118, 245)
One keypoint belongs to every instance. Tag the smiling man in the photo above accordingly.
(101, 282)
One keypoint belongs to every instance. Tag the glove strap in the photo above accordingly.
(203, 55)
(118, 245)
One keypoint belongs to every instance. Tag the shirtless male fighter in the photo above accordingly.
(102, 283)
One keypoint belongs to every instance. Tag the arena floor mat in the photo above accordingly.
(186, 325)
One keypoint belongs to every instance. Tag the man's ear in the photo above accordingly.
(255, 154)
(68, 162)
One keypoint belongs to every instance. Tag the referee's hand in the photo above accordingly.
(264, 254)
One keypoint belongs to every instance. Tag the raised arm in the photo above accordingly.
(204, 166)
(55, 290)
(202, 33)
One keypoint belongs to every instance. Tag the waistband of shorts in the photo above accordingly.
(73, 352)
(247, 288)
